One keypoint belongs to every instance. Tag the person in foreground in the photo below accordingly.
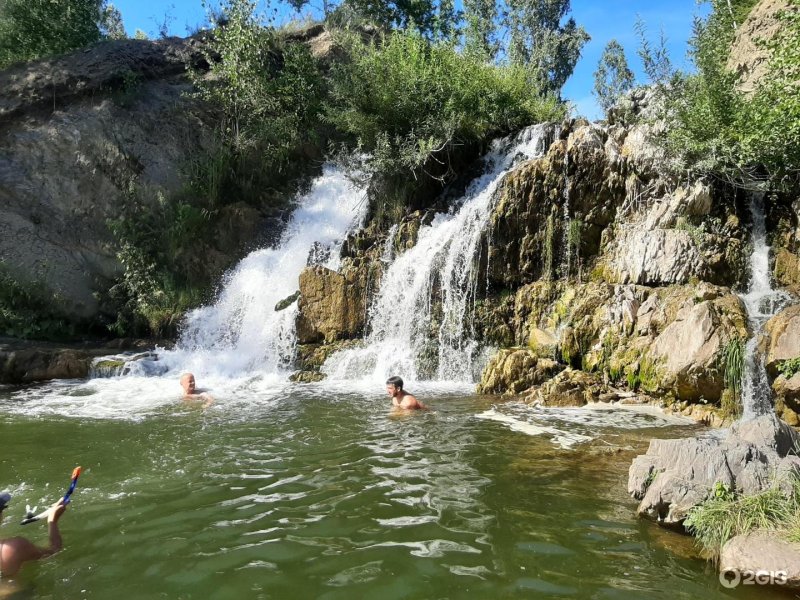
(401, 399)
(17, 550)
(191, 393)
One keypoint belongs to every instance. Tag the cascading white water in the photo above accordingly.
(762, 302)
(411, 334)
(243, 332)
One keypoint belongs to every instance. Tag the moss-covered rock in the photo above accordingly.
(512, 371)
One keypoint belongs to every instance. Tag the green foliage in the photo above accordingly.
(268, 93)
(152, 295)
(540, 42)
(725, 515)
(111, 24)
(788, 368)
(480, 34)
(574, 240)
(613, 77)
(655, 59)
(733, 370)
(643, 375)
(409, 102)
(29, 310)
(771, 120)
(715, 127)
(34, 28)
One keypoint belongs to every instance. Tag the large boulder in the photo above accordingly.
(676, 475)
(331, 307)
(687, 351)
(787, 390)
(783, 338)
(570, 387)
(761, 552)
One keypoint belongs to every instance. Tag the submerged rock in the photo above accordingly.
(676, 475)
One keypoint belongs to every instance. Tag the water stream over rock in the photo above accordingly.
(413, 334)
(762, 302)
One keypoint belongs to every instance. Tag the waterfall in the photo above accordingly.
(567, 263)
(762, 302)
(243, 331)
(418, 325)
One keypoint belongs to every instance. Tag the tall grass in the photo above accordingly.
(725, 515)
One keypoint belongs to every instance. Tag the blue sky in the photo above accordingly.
(603, 19)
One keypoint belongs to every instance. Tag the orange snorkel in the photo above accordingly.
(30, 517)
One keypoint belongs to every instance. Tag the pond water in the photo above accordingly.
(318, 491)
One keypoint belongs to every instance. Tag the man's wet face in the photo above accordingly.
(188, 384)
(392, 390)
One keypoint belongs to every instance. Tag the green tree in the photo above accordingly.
(268, 92)
(34, 28)
(539, 40)
(111, 24)
(480, 33)
(613, 77)
(408, 101)
(655, 59)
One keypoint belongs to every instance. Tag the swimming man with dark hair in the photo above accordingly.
(400, 398)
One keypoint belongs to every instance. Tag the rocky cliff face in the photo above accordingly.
(607, 279)
(79, 132)
(75, 132)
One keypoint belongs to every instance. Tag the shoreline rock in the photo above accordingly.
(23, 361)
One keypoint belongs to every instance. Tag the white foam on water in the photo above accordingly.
(561, 438)
(242, 333)
(567, 427)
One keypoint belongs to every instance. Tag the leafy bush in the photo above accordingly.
(33, 28)
(789, 368)
(155, 291)
(29, 310)
(715, 127)
(409, 102)
(268, 92)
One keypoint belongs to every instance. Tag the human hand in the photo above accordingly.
(55, 511)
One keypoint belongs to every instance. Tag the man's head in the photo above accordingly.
(5, 498)
(187, 383)
(394, 386)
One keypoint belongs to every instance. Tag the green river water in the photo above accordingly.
(312, 492)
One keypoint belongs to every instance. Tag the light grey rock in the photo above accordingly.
(761, 552)
(656, 257)
(676, 475)
(686, 353)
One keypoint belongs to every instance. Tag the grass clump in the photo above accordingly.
(732, 363)
(724, 515)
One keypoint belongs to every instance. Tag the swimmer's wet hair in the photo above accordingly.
(395, 381)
